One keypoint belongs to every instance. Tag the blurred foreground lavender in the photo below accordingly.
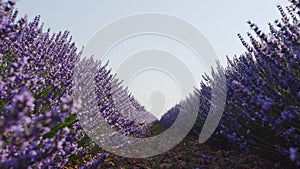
(38, 126)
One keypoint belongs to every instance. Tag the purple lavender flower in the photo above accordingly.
(293, 153)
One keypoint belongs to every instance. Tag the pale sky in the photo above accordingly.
(219, 21)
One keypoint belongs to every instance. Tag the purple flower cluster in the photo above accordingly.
(38, 126)
(262, 111)
(36, 71)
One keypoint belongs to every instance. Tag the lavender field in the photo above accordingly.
(260, 126)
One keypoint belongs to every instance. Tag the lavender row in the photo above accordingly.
(263, 93)
(38, 126)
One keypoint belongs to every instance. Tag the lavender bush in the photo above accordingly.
(263, 93)
(38, 126)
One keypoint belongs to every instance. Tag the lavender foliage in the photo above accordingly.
(263, 85)
(38, 126)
